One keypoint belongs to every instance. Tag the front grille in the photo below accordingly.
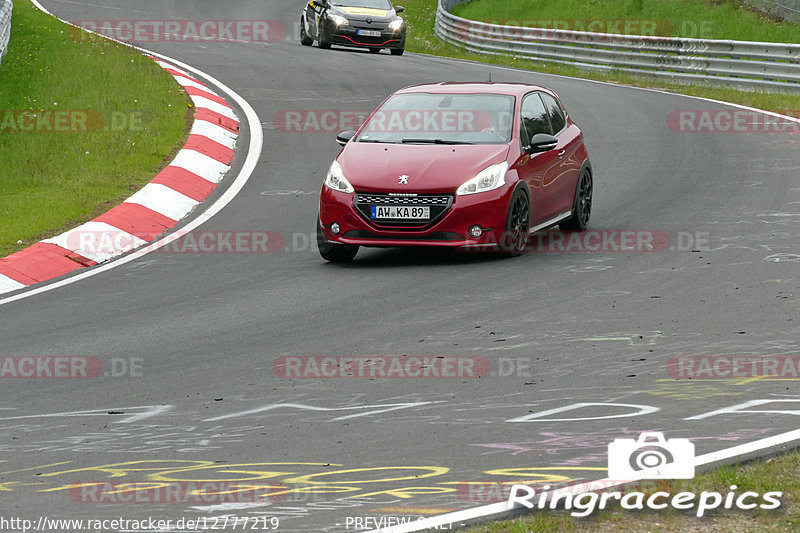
(438, 203)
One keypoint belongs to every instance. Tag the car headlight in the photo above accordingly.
(336, 180)
(487, 179)
(339, 20)
(396, 24)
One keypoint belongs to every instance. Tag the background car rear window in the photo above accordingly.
(534, 119)
(555, 112)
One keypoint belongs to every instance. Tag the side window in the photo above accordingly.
(534, 119)
(557, 118)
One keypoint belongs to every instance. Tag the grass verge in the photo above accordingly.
(421, 14)
(781, 473)
(84, 123)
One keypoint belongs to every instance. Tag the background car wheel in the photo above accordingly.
(305, 40)
(374, 50)
(515, 236)
(582, 209)
(398, 51)
(322, 42)
(335, 253)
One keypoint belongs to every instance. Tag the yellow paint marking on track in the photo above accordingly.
(32, 468)
(432, 472)
(6, 488)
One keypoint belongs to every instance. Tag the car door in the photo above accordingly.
(563, 179)
(537, 169)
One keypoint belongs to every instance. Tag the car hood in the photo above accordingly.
(375, 167)
(362, 13)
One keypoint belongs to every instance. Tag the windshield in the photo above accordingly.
(441, 118)
(374, 4)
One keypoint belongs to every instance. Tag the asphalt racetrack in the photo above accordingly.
(578, 341)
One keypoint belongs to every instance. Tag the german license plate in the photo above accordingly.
(369, 33)
(399, 212)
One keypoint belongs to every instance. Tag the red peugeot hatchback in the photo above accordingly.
(465, 165)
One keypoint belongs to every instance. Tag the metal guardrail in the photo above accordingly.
(744, 64)
(785, 9)
(6, 7)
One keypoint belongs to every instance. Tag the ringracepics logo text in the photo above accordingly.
(585, 503)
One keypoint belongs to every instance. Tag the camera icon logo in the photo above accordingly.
(651, 457)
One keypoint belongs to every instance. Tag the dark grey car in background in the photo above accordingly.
(369, 24)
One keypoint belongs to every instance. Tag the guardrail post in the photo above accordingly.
(6, 7)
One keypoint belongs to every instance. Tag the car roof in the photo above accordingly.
(510, 89)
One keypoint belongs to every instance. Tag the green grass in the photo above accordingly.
(420, 16)
(780, 473)
(700, 19)
(53, 180)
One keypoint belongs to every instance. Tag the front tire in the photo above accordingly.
(515, 235)
(335, 253)
(322, 42)
(582, 208)
(305, 40)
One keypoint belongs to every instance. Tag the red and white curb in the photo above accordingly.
(188, 180)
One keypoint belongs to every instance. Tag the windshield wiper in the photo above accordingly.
(432, 141)
(374, 141)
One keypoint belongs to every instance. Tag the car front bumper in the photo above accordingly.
(348, 36)
(487, 210)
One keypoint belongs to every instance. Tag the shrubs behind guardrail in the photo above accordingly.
(784, 9)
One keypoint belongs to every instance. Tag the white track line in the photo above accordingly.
(253, 154)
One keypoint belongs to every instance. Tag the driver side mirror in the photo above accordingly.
(542, 142)
(399, 9)
(344, 137)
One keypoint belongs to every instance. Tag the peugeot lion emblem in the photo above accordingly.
(404, 179)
